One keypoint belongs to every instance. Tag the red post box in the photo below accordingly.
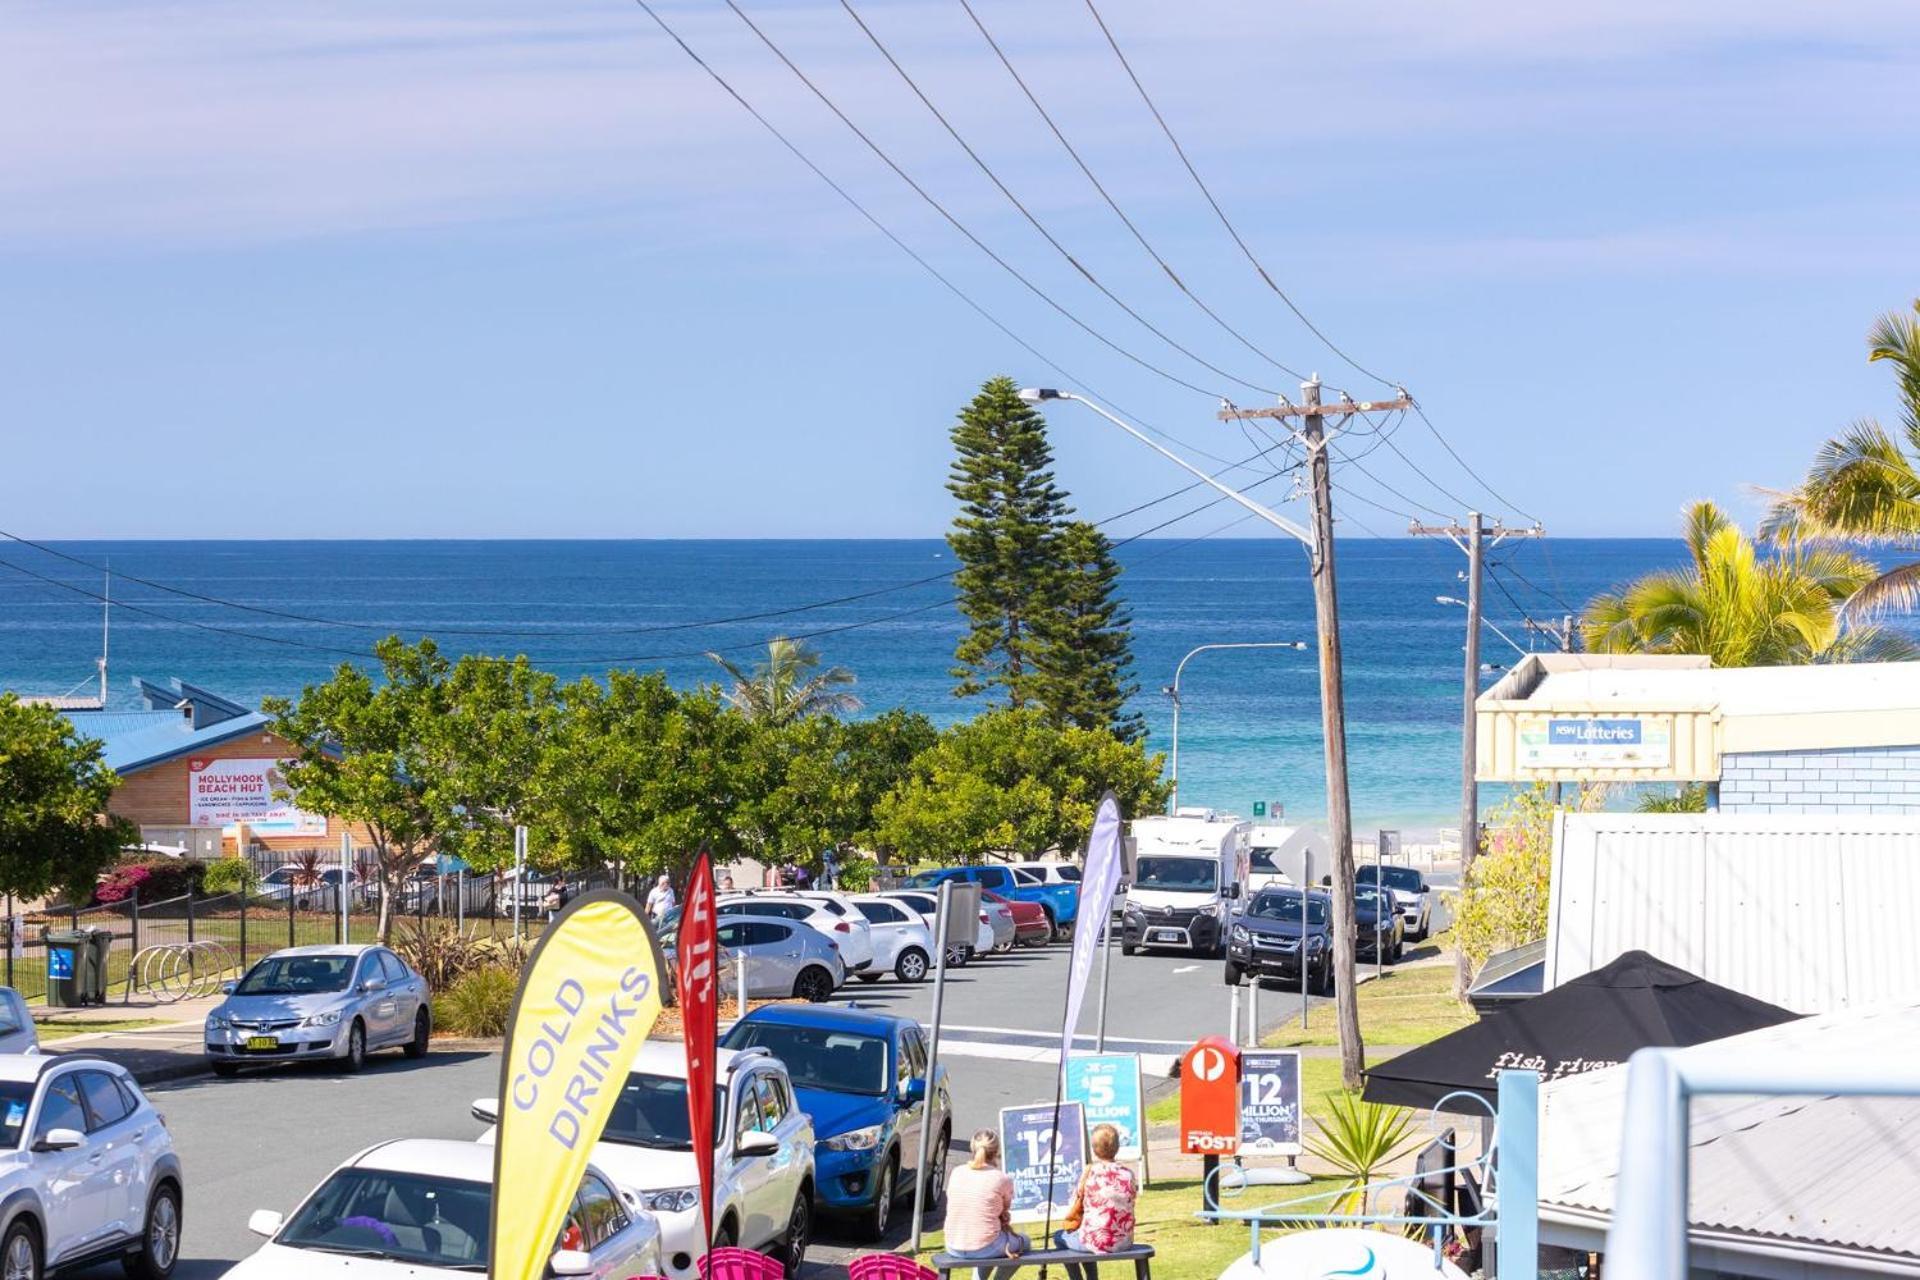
(1210, 1098)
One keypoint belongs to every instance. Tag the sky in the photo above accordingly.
(485, 269)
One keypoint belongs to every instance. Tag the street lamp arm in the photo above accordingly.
(1173, 691)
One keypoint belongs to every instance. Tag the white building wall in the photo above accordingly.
(1842, 780)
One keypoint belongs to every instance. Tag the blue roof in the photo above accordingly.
(177, 722)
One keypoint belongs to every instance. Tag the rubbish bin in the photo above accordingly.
(68, 956)
(100, 943)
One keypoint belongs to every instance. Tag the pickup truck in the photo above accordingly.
(1061, 902)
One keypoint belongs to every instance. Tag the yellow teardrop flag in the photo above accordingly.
(589, 997)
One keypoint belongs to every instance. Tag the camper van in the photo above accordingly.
(1189, 872)
(1286, 857)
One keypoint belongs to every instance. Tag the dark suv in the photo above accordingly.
(1280, 931)
(1378, 932)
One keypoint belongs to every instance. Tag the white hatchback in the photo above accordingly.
(87, 1170)
(928, 906)
(831, 914)
(422, 1207)
(902, 943)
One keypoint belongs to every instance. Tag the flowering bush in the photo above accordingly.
(149, 879)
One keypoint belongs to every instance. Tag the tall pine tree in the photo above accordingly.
(1003, 537)
(1086, 651)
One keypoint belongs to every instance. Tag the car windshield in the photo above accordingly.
(297, 976)
(408, 1217)
(1405, 879)
(15, 1097)
(1372, 898)
(1286, 906)
(1180, 875)
(820, 1057)
(1263, 860)
(651, 1111)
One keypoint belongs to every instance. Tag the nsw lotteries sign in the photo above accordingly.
(1043, 1161)
(226, 793)
(1270, 1103)
(1107, 1087)
(1575, 742)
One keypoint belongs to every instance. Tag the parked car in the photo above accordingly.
(784, 958)
(290, 881)
(1047, 872)
(928, 905)
(422, 1207)
(1379, 932)
(88, 1173)
(1060, 901)
(829, 913)
(1270, 939)
(763, 1175)
(902, 943)
(1411, 893)
(17, 1034)
(1030, 927)
(861, 1078)
(999, 918)
(318, 1004)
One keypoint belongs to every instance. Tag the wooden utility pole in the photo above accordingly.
(1472, 539)
(1333, 708)
(1561, 633)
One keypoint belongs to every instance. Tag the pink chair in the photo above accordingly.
(888, 1266)
(739, 1264)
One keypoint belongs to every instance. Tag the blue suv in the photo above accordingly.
(860, 1076)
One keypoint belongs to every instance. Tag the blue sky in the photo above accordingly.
(490, 269)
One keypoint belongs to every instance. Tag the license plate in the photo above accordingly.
(263, 1042)
(1166, 935)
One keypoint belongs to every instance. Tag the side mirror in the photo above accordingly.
(915, 1091)
(571, 1262)
(757, 1143)
(226, 988)
(486, 1110)
(61, 1140)
(374, 984)
(265, 1222)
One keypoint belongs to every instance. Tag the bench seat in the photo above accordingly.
(1140, 1255)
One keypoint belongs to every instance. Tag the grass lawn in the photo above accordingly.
(87, 1026)
(1404, 1007)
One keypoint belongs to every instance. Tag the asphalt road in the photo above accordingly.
(264, 1141)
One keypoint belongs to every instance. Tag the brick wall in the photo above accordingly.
(1854, 780)
(158, 794)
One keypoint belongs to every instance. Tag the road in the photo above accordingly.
(264, 1141)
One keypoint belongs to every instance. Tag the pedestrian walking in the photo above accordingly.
(660, 900)
(979, 1225)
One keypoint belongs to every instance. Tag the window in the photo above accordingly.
(406, 1217)
(828, 904)
(881, 912)
(1070, 874)
(369, 970)
(732, 934)
(60, 1107)
(296, 976)
(15, 1097)
(599, 1212)
(916, 1050)
(1026, 876)
(104, 1099)
(903, 1071)
(10, 1015)
(771, 1110)
(746, 1112)
(395, 969)
(134, 1098)
(762, 933)
(783, 1094)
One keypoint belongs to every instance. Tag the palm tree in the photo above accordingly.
(1864, 485)
(1740, 609)
(786, 687)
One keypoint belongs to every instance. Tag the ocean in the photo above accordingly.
(1250, 724)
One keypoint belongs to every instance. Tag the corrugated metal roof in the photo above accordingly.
(135, 739)
(1837, 1173)
(1802, 911)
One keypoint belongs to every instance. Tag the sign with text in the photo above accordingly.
(226, 793)
(1270, 1103)
(1107, 1087)
(1573, 742)
(1043, 1161)
(1210, 1098)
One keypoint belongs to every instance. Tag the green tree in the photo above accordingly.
(373, 754)
(787, 686)
(1864, 485)
(54, 786)
(1004, 540)
(486, 747)
(1505, 898)
(1691, 798)
(1739, 608)
(1086, 644)
(1012, 781)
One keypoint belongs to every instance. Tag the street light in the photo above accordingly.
(1455, 600)
(1173, 691)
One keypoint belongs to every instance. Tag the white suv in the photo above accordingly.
(88, 1172)
(763, 1155)
(830, 913)
(902, 943)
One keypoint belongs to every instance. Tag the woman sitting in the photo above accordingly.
(1102, 1204)
(979, 1208)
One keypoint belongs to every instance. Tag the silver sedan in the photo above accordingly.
(320, 1003)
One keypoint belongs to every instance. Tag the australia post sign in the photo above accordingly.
(226, 793)
(1210, 1098)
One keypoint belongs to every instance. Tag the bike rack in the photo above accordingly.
(179, 970)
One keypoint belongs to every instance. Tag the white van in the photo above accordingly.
(1289, 857)
(1188, 872)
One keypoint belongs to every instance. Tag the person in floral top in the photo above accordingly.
(1103, 1203)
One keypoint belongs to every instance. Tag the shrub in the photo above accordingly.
(153, 879)
(478, 1003)
(230, 875)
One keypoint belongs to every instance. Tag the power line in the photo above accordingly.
(1114, 205)
(1492, 492)
(1220, 213)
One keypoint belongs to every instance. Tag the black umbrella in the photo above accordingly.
(1591, 1022)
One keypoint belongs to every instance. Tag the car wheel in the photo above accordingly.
(20, 1252)
(1001, 948)
(956, 957)
(937, 1171)
(911, 966)
(356, 1047)
(1127, 948)
(160, 1245)
(422, 1033)
(799, 1231)
(873, 1226)
(1234, 974)
(813, 985)
(1326, 978)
